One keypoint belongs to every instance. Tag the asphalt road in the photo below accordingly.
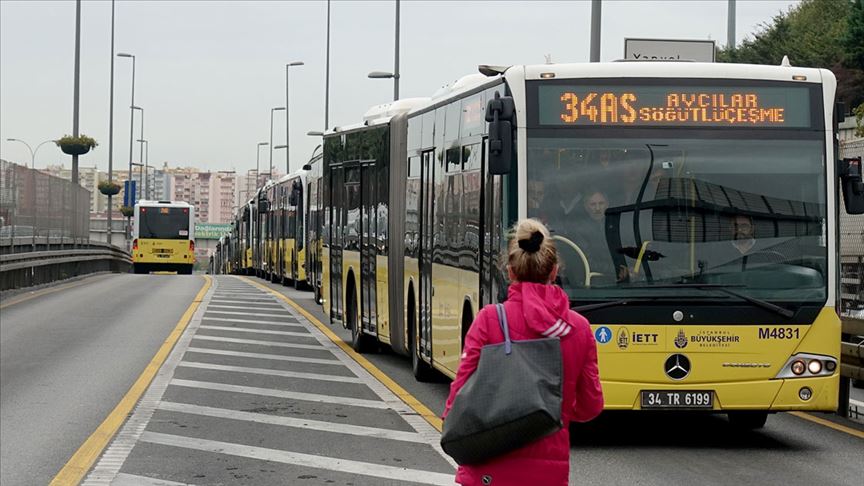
(68, 357)
(658, 449)
(232, 410)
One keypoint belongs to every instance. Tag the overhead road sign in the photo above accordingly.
(211, 231)
(668, 50)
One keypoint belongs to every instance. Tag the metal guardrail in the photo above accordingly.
(27, 268)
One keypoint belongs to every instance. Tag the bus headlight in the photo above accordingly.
(799, 364)
(798, 367)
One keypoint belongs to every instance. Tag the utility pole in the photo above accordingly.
(730, 25)
(327, 75)
(111, 126)
(75, 97)
(595, 30)
(396, 58)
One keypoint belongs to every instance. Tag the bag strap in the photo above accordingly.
(502, 319)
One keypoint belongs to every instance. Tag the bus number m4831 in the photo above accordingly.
(779, 333)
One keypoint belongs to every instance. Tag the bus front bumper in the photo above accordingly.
(773, 395)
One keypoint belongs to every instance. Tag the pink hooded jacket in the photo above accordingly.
(534, 311)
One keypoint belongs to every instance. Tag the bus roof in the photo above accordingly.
(164, 204)
(660, 69)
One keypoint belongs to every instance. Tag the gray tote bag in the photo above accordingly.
(512, 399)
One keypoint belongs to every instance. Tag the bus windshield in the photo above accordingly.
(629, 213)
(164, 223)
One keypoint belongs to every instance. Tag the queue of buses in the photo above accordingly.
(694, 207)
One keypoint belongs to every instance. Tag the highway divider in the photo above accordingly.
(29, 268)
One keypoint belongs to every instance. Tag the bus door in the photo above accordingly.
(427, 232)
(491, 233)
(338, 219)
(368, 251)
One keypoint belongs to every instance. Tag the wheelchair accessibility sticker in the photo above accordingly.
(603, 334)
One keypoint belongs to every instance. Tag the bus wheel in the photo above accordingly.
(422, 371)
(359, 342)
(298, 285)
(748, 420)
(186, 270)
(139, 268)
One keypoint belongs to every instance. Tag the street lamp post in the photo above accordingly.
(287, 117)
(270, 168)
(146, 145)
(130, 197)
(327, 74)
(395, 74)
(141, 154)
(258, 163)
(111, 127)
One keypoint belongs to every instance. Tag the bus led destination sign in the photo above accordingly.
(647, 106)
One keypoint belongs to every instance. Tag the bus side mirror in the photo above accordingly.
(500, 112)
(500, 147)
(853, 185)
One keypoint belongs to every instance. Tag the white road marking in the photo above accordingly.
(276, 357)
(106, 470)
(124, 479)
(258, 331)
(271, 392)
(211, 306)
(395, 403)
(289, 323)
(269, 302)
(262, 418)
(298, 459)
(258, 314)
(257, 342)
(266, 371)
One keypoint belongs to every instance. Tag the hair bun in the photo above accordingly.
(532, 244)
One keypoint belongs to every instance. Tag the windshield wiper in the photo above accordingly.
(601, 305)
(726, 290)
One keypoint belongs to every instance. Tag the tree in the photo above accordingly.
(853, 40)
(816, 33)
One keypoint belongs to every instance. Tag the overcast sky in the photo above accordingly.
(207, 73)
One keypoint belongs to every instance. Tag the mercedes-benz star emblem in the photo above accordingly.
(677, 367)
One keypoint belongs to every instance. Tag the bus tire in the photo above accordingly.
(139, 269)
(185, 270)
(295, 273)
(362, 343)
(421, 369)
(748, 419)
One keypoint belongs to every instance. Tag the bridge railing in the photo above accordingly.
(36, 205)
(56, 259)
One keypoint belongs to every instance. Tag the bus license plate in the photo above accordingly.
(677, 399)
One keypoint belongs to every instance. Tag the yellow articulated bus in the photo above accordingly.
(694, 206)
(163, 237)
(282, 210)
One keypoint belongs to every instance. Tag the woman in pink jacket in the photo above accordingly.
(535, 309)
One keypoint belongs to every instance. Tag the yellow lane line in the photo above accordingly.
(828, 423)
(81, 462)
(394, 387)
(40, 293)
